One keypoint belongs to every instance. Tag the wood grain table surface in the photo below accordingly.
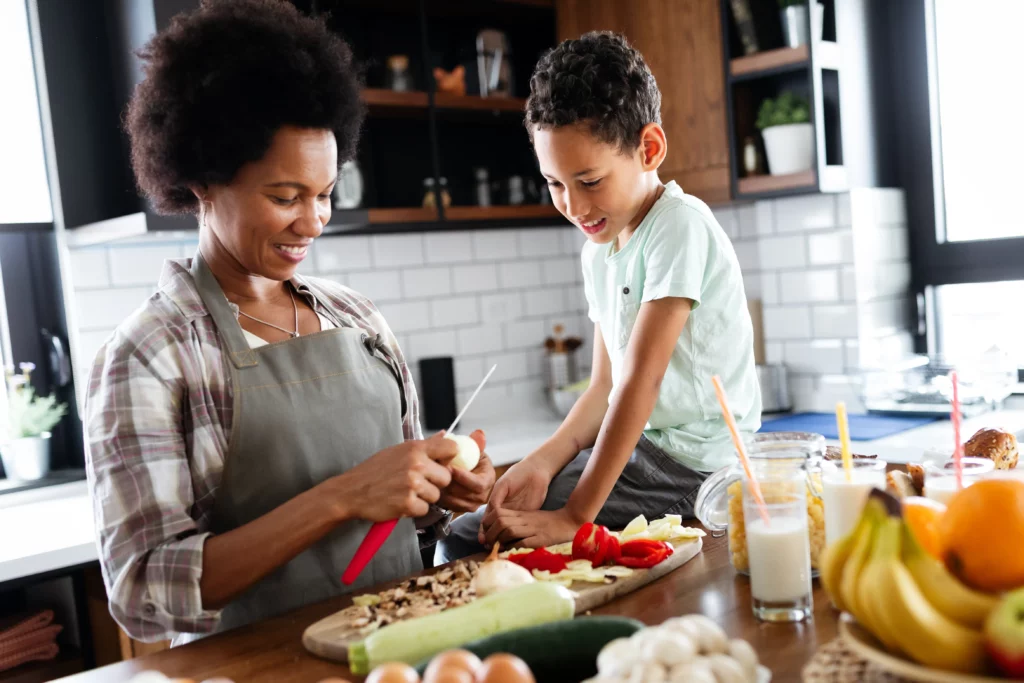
(271, 651)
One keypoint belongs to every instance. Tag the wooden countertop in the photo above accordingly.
(272, 650)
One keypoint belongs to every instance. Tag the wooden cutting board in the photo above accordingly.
(330, 637)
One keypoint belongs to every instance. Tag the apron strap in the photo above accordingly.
(241, 355)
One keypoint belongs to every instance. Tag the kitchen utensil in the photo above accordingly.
(483, 187)
(494, 70)
(348, 190)
(380, 531)
(774, 388)
(329, 638)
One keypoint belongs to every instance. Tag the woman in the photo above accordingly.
(246, 425)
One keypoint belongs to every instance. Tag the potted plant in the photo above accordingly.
(795, 24)
(788, 134)
(26, 450)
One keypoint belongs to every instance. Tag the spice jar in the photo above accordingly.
(398, 73)
(429, 196)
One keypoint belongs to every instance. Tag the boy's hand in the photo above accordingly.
(530, 529)
(523, 487)
(469, 490)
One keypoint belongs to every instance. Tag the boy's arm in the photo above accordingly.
(580, 427)
(652, 341)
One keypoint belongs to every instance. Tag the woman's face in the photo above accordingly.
(265, 219)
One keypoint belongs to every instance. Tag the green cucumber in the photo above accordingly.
(410, 641)
(559, 651)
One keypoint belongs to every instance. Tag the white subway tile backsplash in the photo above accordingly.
(390, 251)
(728, 218)
(430, 344)
(448, 247)
(191, 246)
(843, 215)
(454, 311)
(573, 240)
(529, 391)
(848, 283)
(775, 352)
(495, 245)
(468, 372)
(520, 274)
(764, 211)
(89, 344)
(545, 301)
(838, 321)
(807, 212)
(540, 242)
(423, 283)
(787, 322)
(747, 221)
(885, 317)
(342, 254)
(140, 265)
(523, 334)
(809, 286)
(378, 285)
(752, 285)
(496, 308)
(576, 300)
(492, 401)
(747, 254)
(769, 288)
(90, 268)
(820, 356)
(340, 278)
(852, 355)
(406, 316)
(830, 248)
(885, 280)
(480, 277)
(480, 339)
(560, 271)
(105, 309)
(511, 366)
(777, 253)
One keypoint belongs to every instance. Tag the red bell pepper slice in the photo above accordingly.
(542, 559)
(643, 553)
(592, 543)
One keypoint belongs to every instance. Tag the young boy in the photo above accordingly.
(665, 294)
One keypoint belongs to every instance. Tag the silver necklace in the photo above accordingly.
(264, 322)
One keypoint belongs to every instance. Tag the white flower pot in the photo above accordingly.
(27, 459)
(789, 148)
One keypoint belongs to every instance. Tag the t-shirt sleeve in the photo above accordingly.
(677, 256)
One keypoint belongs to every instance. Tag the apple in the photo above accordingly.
(1004, 634)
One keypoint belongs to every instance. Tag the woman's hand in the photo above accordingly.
(524, 487)
(470, 490)
(401, 481)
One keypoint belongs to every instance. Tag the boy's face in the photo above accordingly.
(598, 187)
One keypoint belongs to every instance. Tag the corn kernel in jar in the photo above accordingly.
(737, 527)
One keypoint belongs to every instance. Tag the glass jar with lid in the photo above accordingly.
(719, 504)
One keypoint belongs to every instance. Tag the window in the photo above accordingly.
(24, 190)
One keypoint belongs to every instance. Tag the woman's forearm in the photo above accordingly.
(579, 430)
(236, 560)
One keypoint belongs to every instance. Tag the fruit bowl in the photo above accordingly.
(858, 639)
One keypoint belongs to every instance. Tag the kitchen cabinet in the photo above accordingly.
(681, 40)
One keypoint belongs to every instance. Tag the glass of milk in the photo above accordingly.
(844, 498)
(940, 482)
(779, 550)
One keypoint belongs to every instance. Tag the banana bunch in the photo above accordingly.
(905, 597)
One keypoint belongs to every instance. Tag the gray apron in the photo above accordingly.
(305, 410)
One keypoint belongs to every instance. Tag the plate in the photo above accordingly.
(867, 646)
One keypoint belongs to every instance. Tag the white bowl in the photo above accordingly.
(563, 401)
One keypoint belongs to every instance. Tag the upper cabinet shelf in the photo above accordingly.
(782, 60)
(381, 99)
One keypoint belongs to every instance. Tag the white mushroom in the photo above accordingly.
(666, 647)
(647, 672)
(744, 653)
(727, 669)
(616, 658)
(696, 671)
(710, 637)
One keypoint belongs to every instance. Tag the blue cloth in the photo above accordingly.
(862, 427)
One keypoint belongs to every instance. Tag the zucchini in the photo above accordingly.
(410, 641)
(559, 651)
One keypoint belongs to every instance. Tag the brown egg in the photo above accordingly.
(394, 672)
(335, 680)
(449, 676)
(458, 660)
(504, 668)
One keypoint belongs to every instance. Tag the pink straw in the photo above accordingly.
(958, 466)
(737, 441)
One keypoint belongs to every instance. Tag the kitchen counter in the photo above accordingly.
(272, 650)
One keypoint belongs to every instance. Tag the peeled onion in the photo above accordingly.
(469, 452)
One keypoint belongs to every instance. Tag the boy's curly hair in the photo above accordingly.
(598, 79)
(220, 82)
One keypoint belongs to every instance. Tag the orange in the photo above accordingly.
(980, 535)
(922, 516)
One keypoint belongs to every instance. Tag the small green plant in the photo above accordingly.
(783, 4)
(785, 109)
(29, 414)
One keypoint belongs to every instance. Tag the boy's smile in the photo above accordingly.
(605, 192)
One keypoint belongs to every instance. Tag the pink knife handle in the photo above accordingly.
(375, 538)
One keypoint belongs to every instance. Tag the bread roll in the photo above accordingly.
(998, 445)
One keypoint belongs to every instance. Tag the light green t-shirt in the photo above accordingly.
(680, 250)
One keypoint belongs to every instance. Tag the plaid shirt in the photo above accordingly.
(158, 417)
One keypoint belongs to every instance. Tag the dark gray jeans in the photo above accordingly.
(653, 483)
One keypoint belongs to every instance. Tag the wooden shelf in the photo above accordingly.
(416, 214)
(484, 213)
(770, 62)
(805, 180)
(382, 98)
(67, 663)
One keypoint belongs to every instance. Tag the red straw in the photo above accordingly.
(958, 466)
